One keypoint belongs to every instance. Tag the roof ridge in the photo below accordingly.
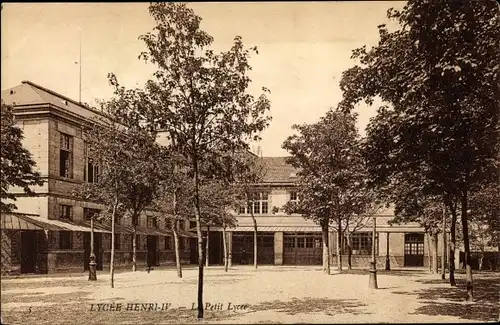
(51, 92)
(54, 93)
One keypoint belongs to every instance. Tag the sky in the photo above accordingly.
(303, 49)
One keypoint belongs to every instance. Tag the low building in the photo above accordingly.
(292, 240)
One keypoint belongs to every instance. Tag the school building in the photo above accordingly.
(50, 232)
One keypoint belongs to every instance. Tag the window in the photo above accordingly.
(66, 156)
(361, 243)
(289, 242)
(118, 220)
(182, 225)
(117, 241)
(65, 240)
(259, 204)
(301, 242)
(192, 225)
(294, 197)
(414, 244)
(168, 224)
(151, 222)
(92, 172)
(89, 213)
(168, 242)
(181, 243)
(65, 212)
(90, 168)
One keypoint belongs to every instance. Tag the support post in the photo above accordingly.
(373, 270)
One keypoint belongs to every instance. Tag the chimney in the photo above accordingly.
(259, 151)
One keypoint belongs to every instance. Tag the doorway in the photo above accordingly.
(152, 245)
(414, 249)
(28, 251)
(193, 250)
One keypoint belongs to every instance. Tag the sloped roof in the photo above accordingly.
(276, 170)
(29, 93)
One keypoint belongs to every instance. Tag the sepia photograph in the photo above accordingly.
(250, 162)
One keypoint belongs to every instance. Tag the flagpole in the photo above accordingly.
(80, 75)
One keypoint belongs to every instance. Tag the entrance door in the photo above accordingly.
(216, 248)
(243, 248)
(152, 250)
(97, 250)
(28, 251)
(414, 249)
(302, 249)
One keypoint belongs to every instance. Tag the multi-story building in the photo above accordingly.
(50, 232)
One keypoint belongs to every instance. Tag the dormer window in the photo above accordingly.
(294, 196)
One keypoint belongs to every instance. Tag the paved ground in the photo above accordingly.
(269, 295)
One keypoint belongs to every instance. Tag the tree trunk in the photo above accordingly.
(452, 247)
(429, 251)
(435, 255)
(326, 251)
(206, 246)
(134, 246)
(481, 258)
(199, 235)
(224, 244)
(339, 247)
(176, 248)
(349, 249)
(443, 251)
(112, 258)
(467, 261)
(254, 238)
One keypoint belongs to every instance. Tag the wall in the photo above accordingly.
(10, 252)
(32, 205)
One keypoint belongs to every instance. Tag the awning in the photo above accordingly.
(16, 221)
(394, 229)
(128, 229)
(184, 233)
(269, 229)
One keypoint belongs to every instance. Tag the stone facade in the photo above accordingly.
(44, 116)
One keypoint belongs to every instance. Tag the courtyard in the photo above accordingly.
(244, 295)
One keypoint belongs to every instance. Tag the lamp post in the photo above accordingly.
(387, 259)
(373, 269)
(92, 263)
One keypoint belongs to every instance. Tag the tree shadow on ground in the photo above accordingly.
(35, 297)
(309, 305)
(75, 308)
(450, 301)
(398, 273)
